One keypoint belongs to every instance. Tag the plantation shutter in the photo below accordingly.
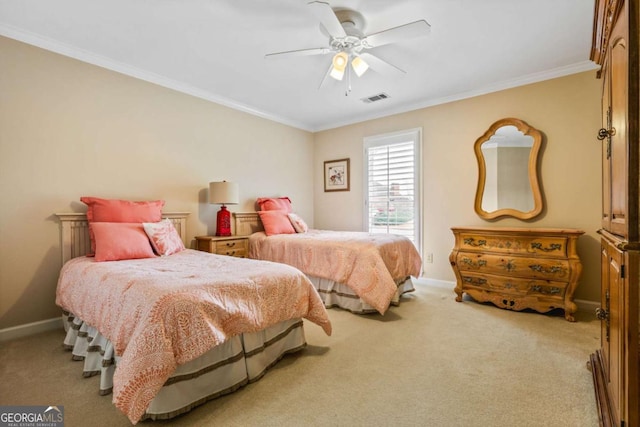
(392, 180)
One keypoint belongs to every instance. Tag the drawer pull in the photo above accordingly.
(552, 247)
(541, 269)
(231, 244)
(475, 280)
(471, 242)
(544, 290)
(470, 263)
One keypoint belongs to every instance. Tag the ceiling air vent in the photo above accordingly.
(374, 98)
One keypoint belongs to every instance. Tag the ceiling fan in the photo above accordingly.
(348, 43)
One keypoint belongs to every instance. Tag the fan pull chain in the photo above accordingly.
(346, 93)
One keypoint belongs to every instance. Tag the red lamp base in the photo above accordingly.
(223, 226)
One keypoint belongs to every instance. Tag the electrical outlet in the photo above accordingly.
(429, 258)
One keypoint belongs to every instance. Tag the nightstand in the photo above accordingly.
(237, 246)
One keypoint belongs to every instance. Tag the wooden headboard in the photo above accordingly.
(247, 223)
(74, 232)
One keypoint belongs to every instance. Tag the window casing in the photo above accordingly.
(392, 180)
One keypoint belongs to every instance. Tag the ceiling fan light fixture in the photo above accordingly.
(359, 66)
(336, 74)
(340, 61)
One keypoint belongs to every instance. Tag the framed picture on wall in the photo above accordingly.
(336, 175)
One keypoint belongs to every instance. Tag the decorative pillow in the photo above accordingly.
(112, 210)
(164, 237)
(121, 240)
(298, 223)
(274, 204)
(276, 222)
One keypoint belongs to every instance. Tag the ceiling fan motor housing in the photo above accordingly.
(353, 24)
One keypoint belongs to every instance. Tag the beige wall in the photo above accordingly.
(69, 129)
(566, 110)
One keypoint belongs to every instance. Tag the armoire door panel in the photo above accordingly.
(616, 331)
(618, 152)
(605, 305)
(606, 149)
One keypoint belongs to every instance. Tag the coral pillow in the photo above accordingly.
(275, 204)
(276, 222)
(164, 237)
(298, 223)
(113, 210)
(121, 240)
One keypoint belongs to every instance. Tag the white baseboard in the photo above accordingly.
(583, 305)
(436, 283)
(30, 329)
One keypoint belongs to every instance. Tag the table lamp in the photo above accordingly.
(223, 193)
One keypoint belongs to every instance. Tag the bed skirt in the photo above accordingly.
(223, 369)
(335, 294)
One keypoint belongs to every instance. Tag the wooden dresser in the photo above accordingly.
(518, 268)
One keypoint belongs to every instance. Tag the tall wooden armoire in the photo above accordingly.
(615, 365)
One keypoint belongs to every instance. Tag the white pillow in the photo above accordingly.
(298, 223)
(164, 237)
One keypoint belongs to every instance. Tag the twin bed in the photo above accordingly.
(356, 271)
(181, 329)
(190, 326)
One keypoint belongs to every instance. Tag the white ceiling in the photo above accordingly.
(214, 49)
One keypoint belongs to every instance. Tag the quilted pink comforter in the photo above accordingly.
(165, 311)
(370, 264)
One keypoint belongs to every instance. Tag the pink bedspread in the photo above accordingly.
(165, 311)
(370, 264)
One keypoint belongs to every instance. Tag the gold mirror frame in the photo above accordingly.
(532, 171)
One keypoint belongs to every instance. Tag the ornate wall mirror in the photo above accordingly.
(508, 184)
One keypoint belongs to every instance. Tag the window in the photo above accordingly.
(392, 180)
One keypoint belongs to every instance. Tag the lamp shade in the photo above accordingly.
(223, 193)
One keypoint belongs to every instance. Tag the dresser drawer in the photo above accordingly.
(540, 246)
(232, 247)
(224, 245)
(514, 266)
(515, 286)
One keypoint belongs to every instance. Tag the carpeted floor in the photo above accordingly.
(429, 362)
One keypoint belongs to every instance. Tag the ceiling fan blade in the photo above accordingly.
(382, 67)
(324, 79)
(327, 18)
(403, 32)
(300, 52)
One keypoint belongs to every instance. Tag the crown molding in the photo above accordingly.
(122, 68)
(119, 67)
(494, 87)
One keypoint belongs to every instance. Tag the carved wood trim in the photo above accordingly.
(605, 414)
(605, 16)
(532, 171)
